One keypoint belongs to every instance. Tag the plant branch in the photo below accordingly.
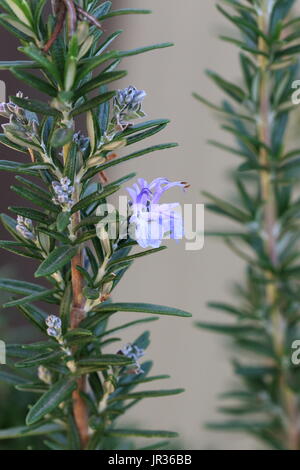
(77, 315)
(270, 225)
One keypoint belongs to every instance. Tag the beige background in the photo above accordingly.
(196, 360)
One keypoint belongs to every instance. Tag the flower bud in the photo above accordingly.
(44, 375)
(54, 326)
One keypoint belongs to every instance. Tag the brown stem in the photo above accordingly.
(31, 153)
(77, 314)
(288, 398)
(89, 17)
(61, 14)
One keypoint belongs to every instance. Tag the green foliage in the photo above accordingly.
(82, 388)
(266, 321)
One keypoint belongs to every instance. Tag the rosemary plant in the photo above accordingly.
(265, 211)
(82, 246)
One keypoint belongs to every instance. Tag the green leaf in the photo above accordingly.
(230, 309)
(255, 371)
(44, 358)
(92, 103)
(231, 89)
(63, 220)
(139, 433)
(25, 431)
(16, 27)
(32, 214)
(94, 198)
(35, 106)
(38, 387)
(147, 394)
(34, 53)
(8, 143)
(73, 434)
(140, 153)
(19, 287)
(65, 307)
(31, 298)
(235, 425)
(149, 379)
(125, 11)
(51, 399)
(61, 137)
(21, 249)
(34, 82)
(144, 126)
(10, 225)
(104, 45)
(228, 209)
(227, 329)
(100, 80)
(133, 139)
(128, 325)
(77, 332)
(94, 363)
(57, 259)
(157, 446)
(52, 234)
(35, 315)
(20, 64)
(37, 199)
(134, 256)
(141, 50)
(11, 379)
(89, 64)
(23, 168)
(141, 307)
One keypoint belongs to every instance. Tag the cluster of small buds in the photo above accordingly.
(133, 352)
(63, 193)
(81, 141)
(23, 122)
(44, 375)
(9, 109)
(128, 105)
(54, 326)
(25, 228)
(55, 331)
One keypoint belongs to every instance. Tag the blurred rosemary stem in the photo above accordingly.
(264, 123)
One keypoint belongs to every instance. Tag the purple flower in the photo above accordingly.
(63, 193)
(130, 98)
(151, 221)
(132, 351)
(128, 105)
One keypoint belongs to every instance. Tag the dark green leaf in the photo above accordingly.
(57, 259)
(50, 400)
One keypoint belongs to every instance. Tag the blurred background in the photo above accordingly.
(196, 360)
